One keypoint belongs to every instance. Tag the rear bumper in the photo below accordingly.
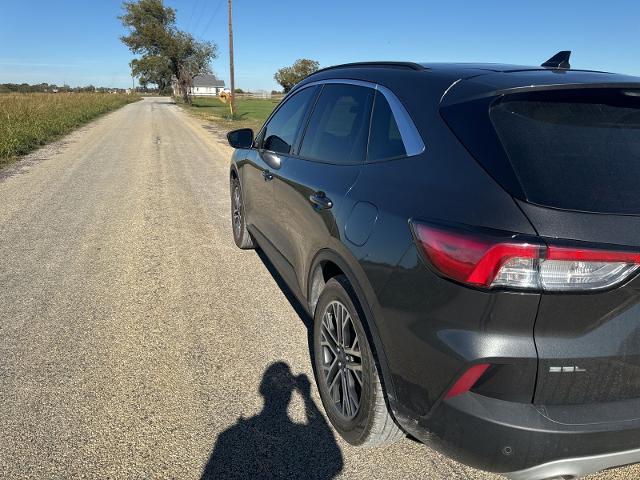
(577, 467)
(521, 440)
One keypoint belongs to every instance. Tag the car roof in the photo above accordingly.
(464, 68)
(473, 79)
(515, 73)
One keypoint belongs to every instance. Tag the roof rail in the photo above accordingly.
(408, 65)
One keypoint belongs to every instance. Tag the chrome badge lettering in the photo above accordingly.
(569, 369)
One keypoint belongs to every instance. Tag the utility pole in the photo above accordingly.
(232, 104)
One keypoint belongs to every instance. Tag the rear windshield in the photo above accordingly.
(574, 149)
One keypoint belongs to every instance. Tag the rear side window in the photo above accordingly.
(284, 126)
(339, 125)
(575, 149)
(385, 141)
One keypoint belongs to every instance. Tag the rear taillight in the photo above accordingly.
(510, 261)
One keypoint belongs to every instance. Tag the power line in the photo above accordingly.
(193, 10)
(195, 27)
(215, 12)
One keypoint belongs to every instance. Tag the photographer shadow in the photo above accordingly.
(270, 444)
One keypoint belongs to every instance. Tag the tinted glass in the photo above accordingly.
(385, 140)
(576, 150)
(282, 129)
(339, 125)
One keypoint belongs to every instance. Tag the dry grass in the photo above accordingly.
(30, 120)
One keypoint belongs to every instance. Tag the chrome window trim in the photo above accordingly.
(411, 138)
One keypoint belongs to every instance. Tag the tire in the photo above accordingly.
(369, 423)
(238, 222)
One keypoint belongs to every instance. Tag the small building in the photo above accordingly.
(206, 85)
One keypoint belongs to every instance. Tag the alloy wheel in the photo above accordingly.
(237, 211)
(341, 359)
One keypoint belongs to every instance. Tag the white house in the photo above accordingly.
(206, 85)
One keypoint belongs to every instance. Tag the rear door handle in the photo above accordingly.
(267, 175)
(321, 201)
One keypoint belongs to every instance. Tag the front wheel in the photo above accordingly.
(240, 234)
(346, 371)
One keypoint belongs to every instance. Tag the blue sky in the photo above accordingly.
(76, 41)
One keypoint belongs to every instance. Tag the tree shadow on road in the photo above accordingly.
(270, 444)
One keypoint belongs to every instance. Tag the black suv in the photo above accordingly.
(466, 238)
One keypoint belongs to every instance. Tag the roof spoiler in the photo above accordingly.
(559, 60)
(409, 65)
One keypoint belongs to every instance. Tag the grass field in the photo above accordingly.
(30, 120)
(251, 112)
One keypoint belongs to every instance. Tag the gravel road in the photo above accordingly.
(136, 341)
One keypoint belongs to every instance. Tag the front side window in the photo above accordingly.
(339, 125)
(385, 141)
(284, 126)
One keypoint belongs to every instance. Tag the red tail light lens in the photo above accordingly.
(505, 260)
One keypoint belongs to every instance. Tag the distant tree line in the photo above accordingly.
(52, 88)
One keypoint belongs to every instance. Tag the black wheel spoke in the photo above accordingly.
(337, 315)
(329, 334)
(332, 372)
(354, 349)
(357, 374)
(354, 367)
(346, 400)
(344, 326)
(329, 344)
(334, 386)
(353, 396)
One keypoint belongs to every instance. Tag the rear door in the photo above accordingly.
(311, 187)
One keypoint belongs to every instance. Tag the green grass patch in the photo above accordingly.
(28, 121)
(251, 112)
